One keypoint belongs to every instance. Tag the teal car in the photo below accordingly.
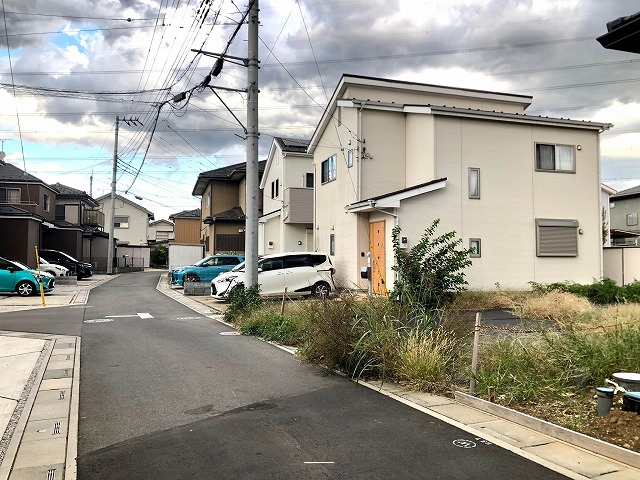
(205, 270)
(16, 277)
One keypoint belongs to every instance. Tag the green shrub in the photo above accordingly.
(604, 292)
(431, 272)
(241, 302)
(266, 322)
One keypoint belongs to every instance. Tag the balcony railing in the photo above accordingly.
(93, 218)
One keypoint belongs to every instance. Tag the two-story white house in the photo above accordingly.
(287, 193)
(131, 221)
(522, 191)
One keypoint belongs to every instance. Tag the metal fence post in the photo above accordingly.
(474, 357)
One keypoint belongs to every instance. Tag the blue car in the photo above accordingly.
(206, 269)
(16, 277)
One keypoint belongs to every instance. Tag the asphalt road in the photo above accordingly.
(163, 395)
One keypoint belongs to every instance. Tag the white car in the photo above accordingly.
(53, 269)
(300, 273)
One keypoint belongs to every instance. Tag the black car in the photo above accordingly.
(81, 269)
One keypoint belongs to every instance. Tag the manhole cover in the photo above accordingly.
(229, 333)
(99, 320)
(464, 443)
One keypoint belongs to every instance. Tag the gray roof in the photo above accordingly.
(186, 214)
(234, 172)
(70, 192)
(627, 193)
(11, 173)
(292, 145)
(120, 197)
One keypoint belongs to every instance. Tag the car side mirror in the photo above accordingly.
(11, 269)
(259, 269)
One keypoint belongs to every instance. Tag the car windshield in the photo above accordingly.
(43, 261)
(200, 263)
(238, 267)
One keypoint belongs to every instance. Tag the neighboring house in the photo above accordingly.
(605, 213)
(522, 191)
(223, 193)
(624, 209)
(287, 196)
(131, 221)
(187, 226)
(26, 211)
(160, 232)
(79, 227)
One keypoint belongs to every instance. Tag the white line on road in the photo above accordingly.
(317, 462)
(141, 315)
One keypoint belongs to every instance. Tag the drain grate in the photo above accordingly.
(56, 428)
(51, 474)
(61, 395)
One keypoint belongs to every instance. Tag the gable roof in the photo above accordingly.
(234, 172)
(628, 193)
(186, 214)
(506, 99)
(126, 200)
(65, 191)
(162, 220)
(11, 173)
(288, 146)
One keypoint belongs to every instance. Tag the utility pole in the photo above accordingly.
(253, 191)
(113, 201)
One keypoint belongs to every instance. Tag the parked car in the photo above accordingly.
(80, 269)
(53, 269)
(300, 273)
(206, 269)
(17, 277)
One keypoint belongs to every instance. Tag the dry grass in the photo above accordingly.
(555, 306)
(609, 316)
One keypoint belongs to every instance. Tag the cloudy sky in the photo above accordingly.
(69, 67)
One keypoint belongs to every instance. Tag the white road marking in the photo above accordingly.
(99, 320)
(317, 462)
(141, 315)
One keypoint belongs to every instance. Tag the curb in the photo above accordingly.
(586, 442)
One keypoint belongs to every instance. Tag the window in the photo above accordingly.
(308, 180)
(350, 158)
(556, 238)
(296, 261)
(474, 246)
(10, 195)
(46, 202)
(474, 183)
(332, 244)
(329, 169)
(271, 264)
(275, 188)
(555, 158)
(632, 219)
(121, 222)
(208, 199)
(612, 205)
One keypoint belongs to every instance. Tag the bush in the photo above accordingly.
(241, 302)
(158, 256)
(604, 292)
(431, 272)
(267, 323)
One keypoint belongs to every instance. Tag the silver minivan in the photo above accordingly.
(297, 273)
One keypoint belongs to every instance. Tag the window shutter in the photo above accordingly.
(557, 238)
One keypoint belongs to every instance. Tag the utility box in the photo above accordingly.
(181, 254)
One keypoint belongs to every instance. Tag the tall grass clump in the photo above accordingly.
(425, 360)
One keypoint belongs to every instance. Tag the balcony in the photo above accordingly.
(298, 205)
(93, 218)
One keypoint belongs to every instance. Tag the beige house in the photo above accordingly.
(223, 193)
(522, 191)
(131, 221)
(187, 225)
(160, 231)
(287, 196)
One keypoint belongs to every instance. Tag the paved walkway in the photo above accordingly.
(39, 399)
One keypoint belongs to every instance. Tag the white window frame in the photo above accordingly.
(632, 219)
(350, 158)
(557, 153)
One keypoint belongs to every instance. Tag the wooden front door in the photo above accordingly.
(378, 258)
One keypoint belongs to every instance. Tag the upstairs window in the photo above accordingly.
(350, 158)
(46, 202)
(555, 158)
(308, 180)
(121, 222)
(632, 219)
(329, 169)
(9, 195)
(474, 183)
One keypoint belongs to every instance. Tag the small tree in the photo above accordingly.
(431, 272)
(159, 256)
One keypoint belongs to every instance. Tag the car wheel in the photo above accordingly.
(321, 289)
(191, 277)
(25, 288)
